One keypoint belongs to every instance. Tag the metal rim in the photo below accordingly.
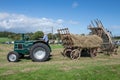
(39, 53)
(12, 57)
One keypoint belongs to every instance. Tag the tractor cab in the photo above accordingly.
(23, 46)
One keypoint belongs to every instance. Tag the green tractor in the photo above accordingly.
(38, 50)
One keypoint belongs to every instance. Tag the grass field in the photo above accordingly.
(102, 67)
(4, 39)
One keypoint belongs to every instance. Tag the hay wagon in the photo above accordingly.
(75, 45)
(108, 45)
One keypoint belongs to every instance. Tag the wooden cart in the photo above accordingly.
(97, 28)
(74, 52)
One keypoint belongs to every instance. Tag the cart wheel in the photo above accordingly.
(75, 54)
(93, 53)
(66, 52)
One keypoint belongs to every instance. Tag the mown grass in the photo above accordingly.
(58, 67)
(55, 46)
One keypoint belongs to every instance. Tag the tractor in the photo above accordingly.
(37, 50)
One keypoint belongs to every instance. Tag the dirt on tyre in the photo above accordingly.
(13, 56)
(39, 52)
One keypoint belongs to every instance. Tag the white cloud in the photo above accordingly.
(3, 15)
(60, 21)
(73, 22)
(115, 27)
(75, 4)
(22, 23)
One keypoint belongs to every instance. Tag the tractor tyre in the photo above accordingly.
(13, 56)
(39, 52)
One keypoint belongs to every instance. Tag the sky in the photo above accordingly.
(44, 15)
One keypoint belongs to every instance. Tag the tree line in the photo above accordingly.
(32, 36)
(116, 37)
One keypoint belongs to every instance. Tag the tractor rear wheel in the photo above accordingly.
(39, 52)
(13, 56)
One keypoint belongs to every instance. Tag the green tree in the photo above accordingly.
(37, 35)
(16, 37)
(50, 36)
(57, 36)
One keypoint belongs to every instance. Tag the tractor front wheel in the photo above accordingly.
(13, 56)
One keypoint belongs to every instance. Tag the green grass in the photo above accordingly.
(60, 68)
(54, 73)
(56, 46)
(4, 39)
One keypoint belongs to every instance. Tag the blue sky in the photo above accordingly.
(32, 15)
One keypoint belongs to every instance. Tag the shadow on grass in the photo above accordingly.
(28, 58)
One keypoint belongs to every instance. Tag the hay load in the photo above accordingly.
(90, 41)
(76, 45)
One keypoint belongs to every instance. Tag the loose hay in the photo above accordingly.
(90, 41)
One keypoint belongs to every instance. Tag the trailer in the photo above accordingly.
(70, 49)
(108, 45)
